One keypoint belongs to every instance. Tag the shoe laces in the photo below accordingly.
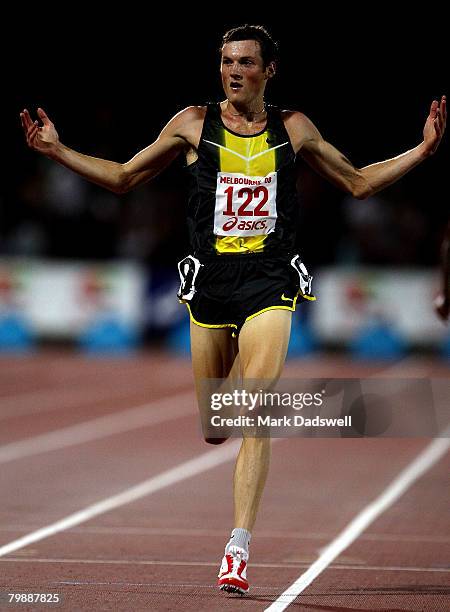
(237, 555)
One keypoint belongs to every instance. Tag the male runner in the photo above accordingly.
(243, 278)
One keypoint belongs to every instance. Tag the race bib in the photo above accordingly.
(245, 205)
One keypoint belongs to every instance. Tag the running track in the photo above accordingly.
(110, 498)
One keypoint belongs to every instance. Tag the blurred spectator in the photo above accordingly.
(382, 232)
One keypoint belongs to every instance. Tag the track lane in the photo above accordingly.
(293, 504)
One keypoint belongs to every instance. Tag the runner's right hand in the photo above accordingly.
(40, 138)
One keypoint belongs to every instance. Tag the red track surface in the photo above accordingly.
(162, 551)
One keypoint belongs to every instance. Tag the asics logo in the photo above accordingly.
(244, 225)
(230, 224)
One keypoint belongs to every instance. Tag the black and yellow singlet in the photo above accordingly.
(242, 193)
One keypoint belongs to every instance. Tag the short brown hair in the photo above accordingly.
(269, 48)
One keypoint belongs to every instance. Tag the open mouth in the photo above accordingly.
(235, 86)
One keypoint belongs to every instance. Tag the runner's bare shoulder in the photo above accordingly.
(297, 126)
(188, 123)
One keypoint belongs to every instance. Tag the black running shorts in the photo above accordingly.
(228, 290)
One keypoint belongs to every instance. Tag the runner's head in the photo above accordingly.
(248, 61)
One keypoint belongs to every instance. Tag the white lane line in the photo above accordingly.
(168, 408)
(220, 533)
(390, 568)
(51, 400)
(421, 464)
(181, 472)
(170, 585)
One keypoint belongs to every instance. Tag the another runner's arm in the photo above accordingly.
(363, 182)
(114, 176)
(442, 301)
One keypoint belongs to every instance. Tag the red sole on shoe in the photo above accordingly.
(232, 586)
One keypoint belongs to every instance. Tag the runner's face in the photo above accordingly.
(243, 76)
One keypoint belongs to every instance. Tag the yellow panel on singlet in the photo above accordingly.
(262, 165)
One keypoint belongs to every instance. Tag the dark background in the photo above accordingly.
(110, 81)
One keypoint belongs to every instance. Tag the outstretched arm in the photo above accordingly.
(112, 175)
(442, 301)
(363, 182)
